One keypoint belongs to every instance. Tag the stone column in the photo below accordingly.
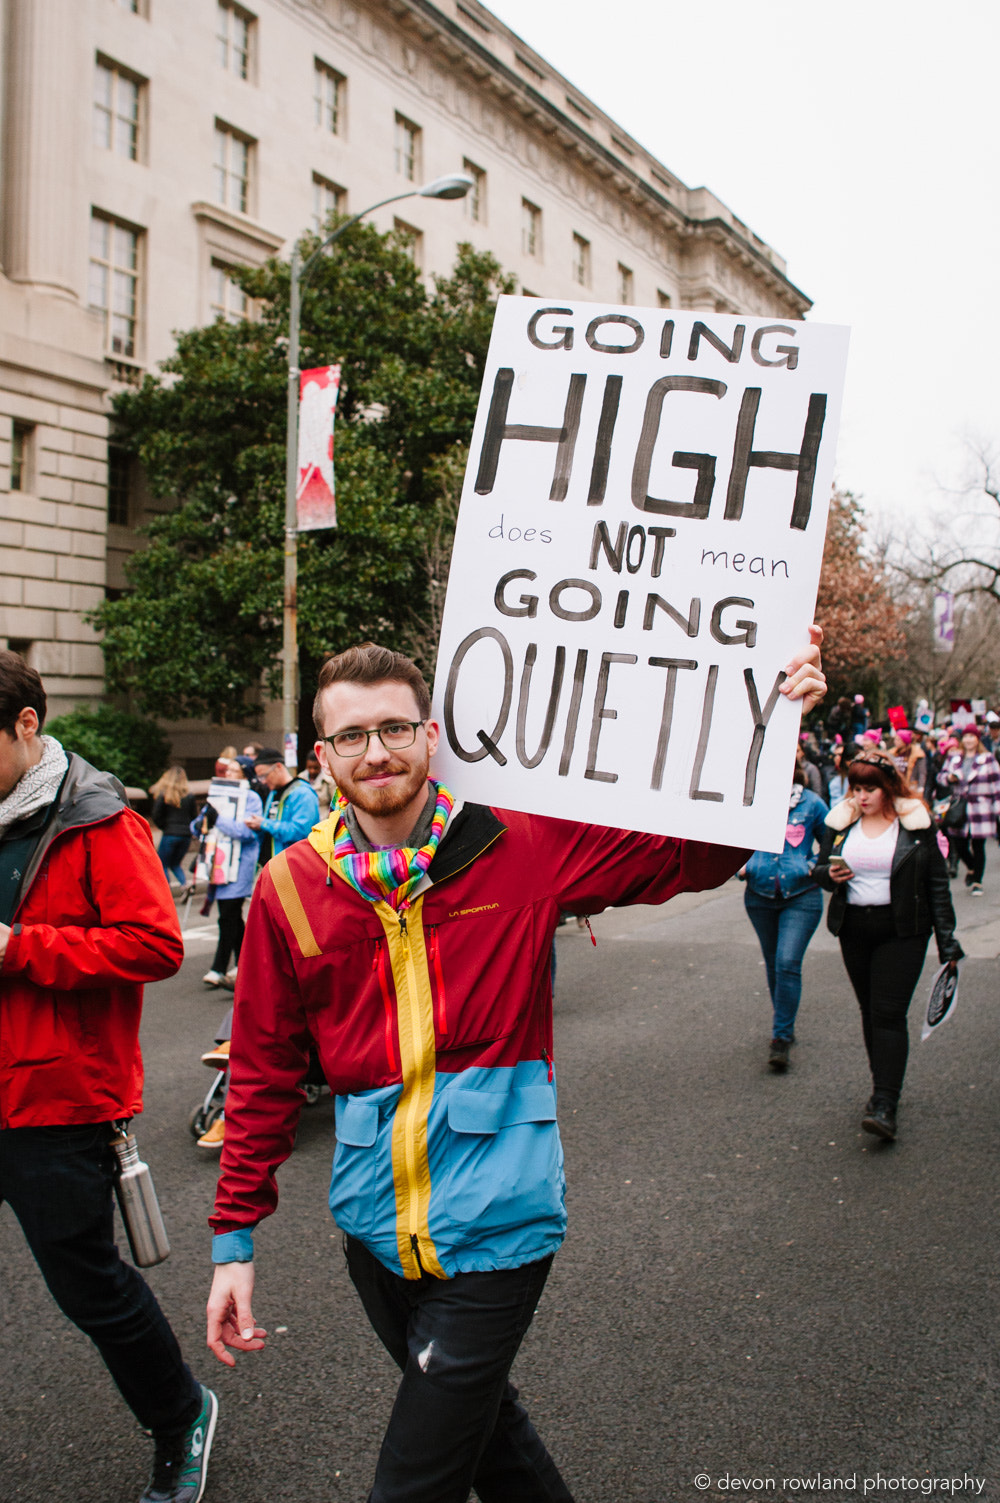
(46, 93)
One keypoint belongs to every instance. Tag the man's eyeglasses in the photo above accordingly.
(395, 735)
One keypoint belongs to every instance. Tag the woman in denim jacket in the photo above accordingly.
(785, 906)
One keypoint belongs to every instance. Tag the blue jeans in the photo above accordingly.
(59, 1182)
(784, 927)
(171, 851)
(456, 1423)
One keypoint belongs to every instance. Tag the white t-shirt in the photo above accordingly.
(871, 863)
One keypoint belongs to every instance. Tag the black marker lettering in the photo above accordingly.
(558, 670)
(746, 635)
(588, 613)
(657, 602)
(602, 445)
(761, 718)
(488, 742)
(621, 606)
(666, 718)
(573, 714)
(602, 539)
(615, 349)
(564, 343)
(703, 463)
(528, 604)
(659, 536)
(789, 351)
(498, 430)
(708, 706)
(702, 331)
(746, 457)
(600, 713)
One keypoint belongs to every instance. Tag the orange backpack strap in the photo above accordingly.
(288, 897)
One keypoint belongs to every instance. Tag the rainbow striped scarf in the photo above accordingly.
(387, 876)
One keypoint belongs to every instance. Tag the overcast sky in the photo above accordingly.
(861, 141)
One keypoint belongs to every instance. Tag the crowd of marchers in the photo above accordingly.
(398, 940)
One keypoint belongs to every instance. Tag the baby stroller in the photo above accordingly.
(207, 1112)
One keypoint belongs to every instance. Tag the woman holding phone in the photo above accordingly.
(881, 860)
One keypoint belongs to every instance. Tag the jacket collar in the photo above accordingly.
(86, 797)
(912, 814)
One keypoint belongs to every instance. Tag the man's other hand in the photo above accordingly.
(230, 1317)
(4, 937)
(806, 679)
(253, 821)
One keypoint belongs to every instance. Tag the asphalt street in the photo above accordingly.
(752, 1293)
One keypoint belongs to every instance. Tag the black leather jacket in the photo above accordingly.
(919, 892)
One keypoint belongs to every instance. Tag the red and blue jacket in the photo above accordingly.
(434, 1030)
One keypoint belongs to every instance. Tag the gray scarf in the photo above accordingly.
(37, 788)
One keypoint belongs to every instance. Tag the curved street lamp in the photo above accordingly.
(452, 185)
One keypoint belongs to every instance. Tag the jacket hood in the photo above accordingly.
(912, 814)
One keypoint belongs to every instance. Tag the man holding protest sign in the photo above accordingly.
(409, 938)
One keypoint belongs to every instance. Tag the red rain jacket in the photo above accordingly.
(95, 921)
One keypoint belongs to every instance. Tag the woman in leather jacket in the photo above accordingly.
(881, 860)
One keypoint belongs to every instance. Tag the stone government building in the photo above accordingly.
(148, 146)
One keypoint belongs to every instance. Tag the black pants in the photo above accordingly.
(231, 927)
(59, 1182)
(884, 972)
(456, 1422)
(972, 850)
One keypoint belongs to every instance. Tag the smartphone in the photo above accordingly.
(837, 861)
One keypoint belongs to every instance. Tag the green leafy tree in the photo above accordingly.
(199, 631)
(130, 746)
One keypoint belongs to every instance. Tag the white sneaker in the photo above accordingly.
(213, 978)
(231, 974)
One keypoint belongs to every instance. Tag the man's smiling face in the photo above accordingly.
(378, 782)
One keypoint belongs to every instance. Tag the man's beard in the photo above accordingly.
(382, 802)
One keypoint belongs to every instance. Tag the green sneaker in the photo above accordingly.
(180, 1462)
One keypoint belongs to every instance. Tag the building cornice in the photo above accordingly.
(238, 224)
(433, 25)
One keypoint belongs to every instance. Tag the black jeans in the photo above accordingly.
(972, 849)
(456, 1422)
(231, 927)
(59, 1182)
(884, 972)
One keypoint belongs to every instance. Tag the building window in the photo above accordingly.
(114, 282)
(411, 240)
(116, 110)
(531, 229)
(135, 7)
(119, 486)
(626, 281)
(407, 149)
(475, 199)
(329, 90)
(328, 199)
(226, 298)
(663, 299)
(581, 261)
(22, 444)
(233, 36)
(232, 169)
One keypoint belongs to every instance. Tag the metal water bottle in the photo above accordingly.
(147, 1236)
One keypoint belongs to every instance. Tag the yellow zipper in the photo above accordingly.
(418, 1060)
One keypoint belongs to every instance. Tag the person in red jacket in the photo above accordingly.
(86, 918)
(409, 939)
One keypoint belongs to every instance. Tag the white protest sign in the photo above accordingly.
(636, 559)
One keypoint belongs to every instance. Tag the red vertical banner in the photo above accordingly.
(315, 494)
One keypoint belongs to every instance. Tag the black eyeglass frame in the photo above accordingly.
(376, 730)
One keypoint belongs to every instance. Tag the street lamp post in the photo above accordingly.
(454, 185)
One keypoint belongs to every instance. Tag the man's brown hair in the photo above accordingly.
(370, 664)
(20, 689)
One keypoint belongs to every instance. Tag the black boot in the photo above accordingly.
(778, 1057)
(880, 1119)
